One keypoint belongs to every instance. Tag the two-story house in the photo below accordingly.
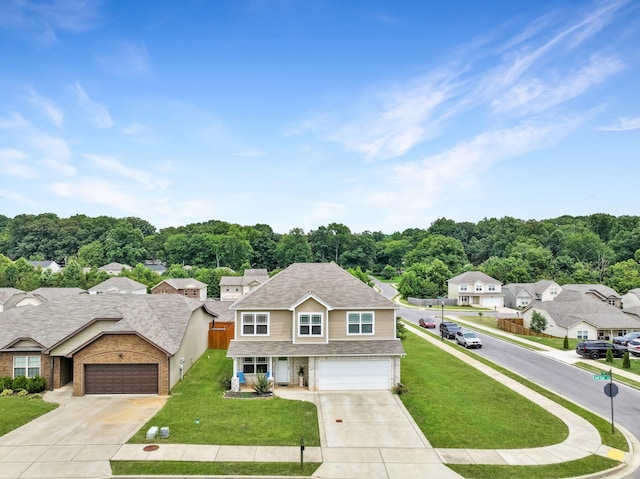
(520, 295)
(598, 292)
(234, 287)
(318, 320)
(474, 288)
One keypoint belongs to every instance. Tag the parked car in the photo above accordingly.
(633, 347)
(468, 339)
(624, 340)
(598, 349)
(448, 329)
(427, 323)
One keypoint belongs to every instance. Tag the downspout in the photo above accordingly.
(51, 373)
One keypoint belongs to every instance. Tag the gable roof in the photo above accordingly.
(470, 277)
(567, 313)
(162, 318)
(534, 289)
(337, 288)
(250, 276)
(118, 284)
(114, 267)
(597, 289)
(182, 283)
(50, 293)
(7, 293)
(43, 264)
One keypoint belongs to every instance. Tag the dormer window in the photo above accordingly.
(310, 324)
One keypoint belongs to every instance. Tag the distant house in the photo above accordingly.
(114, 268)
(520, 295)
(119, 285)
(42, 295)
(475, 288)
(189, 287)
(155, 265)
(234, 287)
(599, 292)
(50, 265)
(578, 315)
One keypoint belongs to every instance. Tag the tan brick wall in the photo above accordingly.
(123, 349)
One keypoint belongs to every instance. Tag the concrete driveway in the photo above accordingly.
(77, 439)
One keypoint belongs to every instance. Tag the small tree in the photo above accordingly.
(626, 362)
(609, 357)
(538, 322)
(401, 331)
(565, 344)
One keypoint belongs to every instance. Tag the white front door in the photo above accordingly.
(282, 371)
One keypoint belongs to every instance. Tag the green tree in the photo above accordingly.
(447, 250)
(293, 248)
(235, 251)
(72, 276)
(389, 272)
(538, 322)
(626, 361)
(623, 276)
(91, 255)
(361, 275)
(565, 343)
(125, 244)
(609, 355)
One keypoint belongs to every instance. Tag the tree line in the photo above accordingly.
(598, 248)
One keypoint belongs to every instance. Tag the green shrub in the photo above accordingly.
(401, 331)
(261, 384)
(400, 389)
(565, 344)
(609, 357)
(6, 392)
(35, 384)
(626, 362)
(22, 393)
(19, 382)
(6, 382)
(225, 382)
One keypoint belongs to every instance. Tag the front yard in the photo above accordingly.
(16, 411)
(257, 422)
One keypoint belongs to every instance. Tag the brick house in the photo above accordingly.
(189, 287)
(105, 344)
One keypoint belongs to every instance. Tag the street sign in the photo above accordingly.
(602, 377)
(611, 390)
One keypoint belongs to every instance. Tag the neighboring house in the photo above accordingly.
(234, 287)
(114, 268)
(9, 297)
(581, 317)
(631, 299)
(474, 288)
(42, 295)
(319, 320)
(119, 284)
(155, 265)
(50, 265)
(106, 343)
(598, 292)
(519, 295)
(189, 287)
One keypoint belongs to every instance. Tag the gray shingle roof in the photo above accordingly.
(50, 293)
(119, 283)
(221, 309)
(327, 281)
(162, 319)
(568, 312)
(601, 289)
(7, 293)
(389, 347)
(114, 267)
(470, 277)
(183, 283)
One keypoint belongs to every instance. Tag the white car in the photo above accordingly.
(468, 339)
(633, 347)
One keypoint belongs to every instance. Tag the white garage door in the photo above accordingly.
(491, 302)
(357, 374)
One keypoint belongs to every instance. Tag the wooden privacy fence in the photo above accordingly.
(220, 335)
(515, 326)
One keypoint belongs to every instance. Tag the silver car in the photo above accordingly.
(468, 339)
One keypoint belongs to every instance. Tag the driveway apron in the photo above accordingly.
(77, 439)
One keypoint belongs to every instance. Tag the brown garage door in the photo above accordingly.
(121, 379)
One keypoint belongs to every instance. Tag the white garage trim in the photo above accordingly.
(354, 374)
(491, 301)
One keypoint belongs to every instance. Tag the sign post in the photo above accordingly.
(611, 390)
(301, 452)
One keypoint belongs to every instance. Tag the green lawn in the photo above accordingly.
(182, 468)
(456, 406)
(16, 411)
(260, 422)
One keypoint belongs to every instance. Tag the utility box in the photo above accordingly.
(152, 433)
(164, 432)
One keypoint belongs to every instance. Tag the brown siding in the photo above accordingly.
(120, 349)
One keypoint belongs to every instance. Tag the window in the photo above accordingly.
(194, 292)
(310, 324)
(227, 288)
(611, 301)
(463, 287)
(28, 366)
(464, 299)
(478, 288)
(255, 324)
(186, 293)
(360, 323)
(582, 334)
(491, 287)
(254, 366)
(237, 289)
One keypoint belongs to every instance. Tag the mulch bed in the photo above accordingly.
(247, 395)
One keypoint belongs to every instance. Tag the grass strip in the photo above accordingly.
(616, 377)
(16, 411)
(456, 406)
(580, 467)
(184, 468)
(239, 422)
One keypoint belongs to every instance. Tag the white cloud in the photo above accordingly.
(50, 109)
(126, 58)
(623, 124)
(112, 165)
(13, 163)
(15, 120)
(59, 167)
(98, 114)
(17, 197)
(52, 148)
(95, 191)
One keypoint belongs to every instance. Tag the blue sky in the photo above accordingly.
(379, 115)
